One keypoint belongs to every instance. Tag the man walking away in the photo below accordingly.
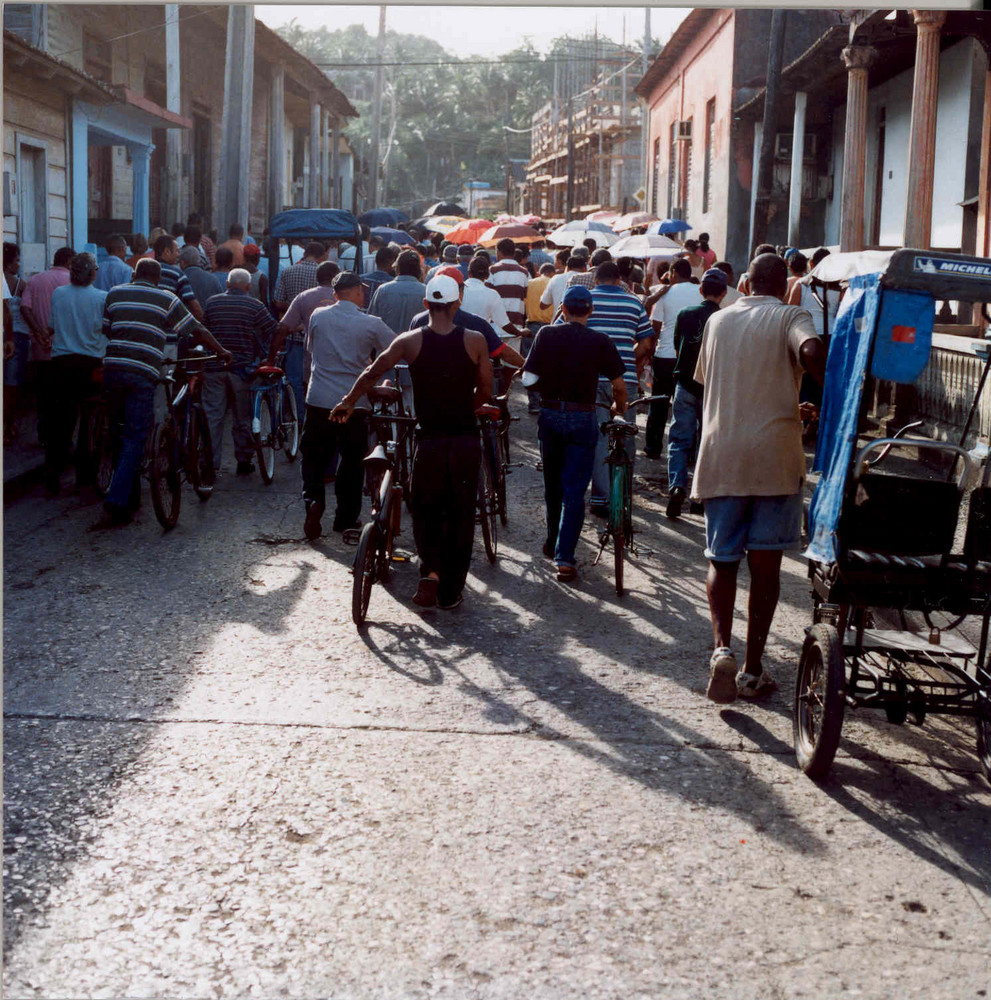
(586, 276)
(259, 279)
(452, 376)
(114, 270)
(172, 278)
(78, 346)
(537, 315)
(566, 362)
(137, 320)
(396, 302)
(553, 293)
(384, 271)
(341, 340)
(751, 465)
(297, 317)
(732, 292)
(235, 243)
(204, 283)
(686, 407)
(681, 292)
(510, 278)
(244, 327)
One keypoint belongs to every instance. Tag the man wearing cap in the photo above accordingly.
(448, 258)
(385, 260)
(341, 340)
(565, 364)
(465, 253)
(396, 302)
(686, 406)
(451, 377)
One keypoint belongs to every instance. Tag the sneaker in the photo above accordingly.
(753, 687)
(566, 574)
(311, 526)
(245, 468)
(676, 500)
(722, 677)
(426, 593)
(451, 605)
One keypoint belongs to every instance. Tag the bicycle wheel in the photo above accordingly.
(199, 454)
(263, 429)
(487, 507)
(166, 492)
(499, 463)
(290, 422)
(102, 456)
(819, 700)
(365, 567)
(617, 521)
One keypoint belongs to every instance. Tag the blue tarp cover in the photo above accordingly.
(314, 223)
(904, 335)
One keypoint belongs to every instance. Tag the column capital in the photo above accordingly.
(858, 56)
(931, 20)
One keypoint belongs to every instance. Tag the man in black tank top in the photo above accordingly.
(452, 376)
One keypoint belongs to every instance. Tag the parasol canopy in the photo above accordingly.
(646, 246)
(632, 220)
(515, 232)
(665, 226)
(574, 237)
(446, 208)
(392, 235)
(442, 223)
(468, 230)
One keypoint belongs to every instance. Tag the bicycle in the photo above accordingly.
(489, 472)
(103, 438)
(386, 481)
(619, 524)
(180, 444)
(274, 419)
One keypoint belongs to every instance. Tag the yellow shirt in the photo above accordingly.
(535, 312)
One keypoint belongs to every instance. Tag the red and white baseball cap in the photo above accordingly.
(442, 290)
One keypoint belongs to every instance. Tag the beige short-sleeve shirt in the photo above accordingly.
(751, 429)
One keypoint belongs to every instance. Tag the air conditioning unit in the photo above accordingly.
(685, 130)
(783, 146)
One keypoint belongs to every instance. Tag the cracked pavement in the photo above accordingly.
(215, 786)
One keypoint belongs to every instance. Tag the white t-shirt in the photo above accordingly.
(554, 292)
(666, 310)
(6, 290)
(732, 294)
(814, 306)
(485, 302)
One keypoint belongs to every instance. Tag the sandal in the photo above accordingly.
(753, 687)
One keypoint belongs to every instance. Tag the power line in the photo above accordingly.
(538, 61)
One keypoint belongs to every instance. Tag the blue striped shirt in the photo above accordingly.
(622, 317)
(138, 319)
(241, 324)
(174, 281)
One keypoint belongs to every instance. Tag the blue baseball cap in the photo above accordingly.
(716, 276)
(577, 295)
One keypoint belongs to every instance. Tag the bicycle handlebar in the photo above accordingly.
(366, 411)
(644, 400)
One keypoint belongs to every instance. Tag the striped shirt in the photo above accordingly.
(138, 320)
(241, 324)
(293, 281)
(622, 317)
(510, 279)
(174, 281)
(586, 278)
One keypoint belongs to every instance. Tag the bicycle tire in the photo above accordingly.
(199, 454)
(163, 474)
(500, 464)
(290, 423)
(101, 441)
(819, 700)
(487, 508)
(264, 437)
(365, 562)
(617, 521)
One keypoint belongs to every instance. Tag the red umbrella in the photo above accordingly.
(468, 231)
(515, 232)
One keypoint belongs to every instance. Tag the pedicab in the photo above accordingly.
(885, 544)
(302, 225)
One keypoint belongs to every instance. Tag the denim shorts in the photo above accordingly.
(737, 525)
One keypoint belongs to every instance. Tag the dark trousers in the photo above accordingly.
(657, 413)
(321, 438)
(41, 374)
(71, 381)
(130, 398)
(444, 491)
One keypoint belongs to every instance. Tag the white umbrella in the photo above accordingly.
(643, 246)
(652, 231)
(565, 237)
(843, 266)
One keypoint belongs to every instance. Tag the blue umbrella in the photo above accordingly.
(666, 226)
(383, 217)
(392, 235)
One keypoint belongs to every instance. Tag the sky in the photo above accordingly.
(469, 30)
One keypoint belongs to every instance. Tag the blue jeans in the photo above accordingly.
(601, 473)
(567, 451)
(131, 397)
(294, 369)
(526, 344)
(683, 437)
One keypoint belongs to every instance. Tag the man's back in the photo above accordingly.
(622, 317)
(569, 359)
(203, 283)
(113, 271)
(750, 369)
(240, 323)
(138, 320)
(510, 279)
(396, 302)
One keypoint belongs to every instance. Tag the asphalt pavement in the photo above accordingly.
(216, 786)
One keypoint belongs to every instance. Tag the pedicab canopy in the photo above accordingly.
(883, 328)
(305, 224)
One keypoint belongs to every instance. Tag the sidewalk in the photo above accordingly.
(23, 458)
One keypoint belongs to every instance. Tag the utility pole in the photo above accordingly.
(570, 190)
(235, 146)
(175, 211)
(373, 154)
(644, 124)
(765, 164)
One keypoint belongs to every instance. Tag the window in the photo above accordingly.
(687, 157)
(710, 141)
(672, 168)
(32, 175)
(657, 176)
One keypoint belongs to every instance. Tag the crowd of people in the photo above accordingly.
(588, 333)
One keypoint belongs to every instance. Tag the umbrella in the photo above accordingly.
(633, 219)
(843, 266)
(442, 223)
(516, 232)
(392, 235)
(446, 208)
(468, 230)
(383, 217)
(584, 225)
(669, 226)
(564, 237)
(646, 246)
(604, 216)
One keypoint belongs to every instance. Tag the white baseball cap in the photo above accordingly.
(442, 290)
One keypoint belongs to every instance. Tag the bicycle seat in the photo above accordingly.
(488, 410)
(384, 394)
(501, 400)
(377, 456)
(268, 370)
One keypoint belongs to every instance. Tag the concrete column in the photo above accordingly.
(277, 141)
(797, 155)
(922, 137)
(174, 209)
(325, 160)
(335, 163)
(235, 147)
(858, 59)
(141, 166)
(758, 137)
(80, 178)
(984, 185)
(316, 158)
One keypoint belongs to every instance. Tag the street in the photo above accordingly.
(216, 786)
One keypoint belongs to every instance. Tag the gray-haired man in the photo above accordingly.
(205, 284)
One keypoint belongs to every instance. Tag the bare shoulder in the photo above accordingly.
(475, 344)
